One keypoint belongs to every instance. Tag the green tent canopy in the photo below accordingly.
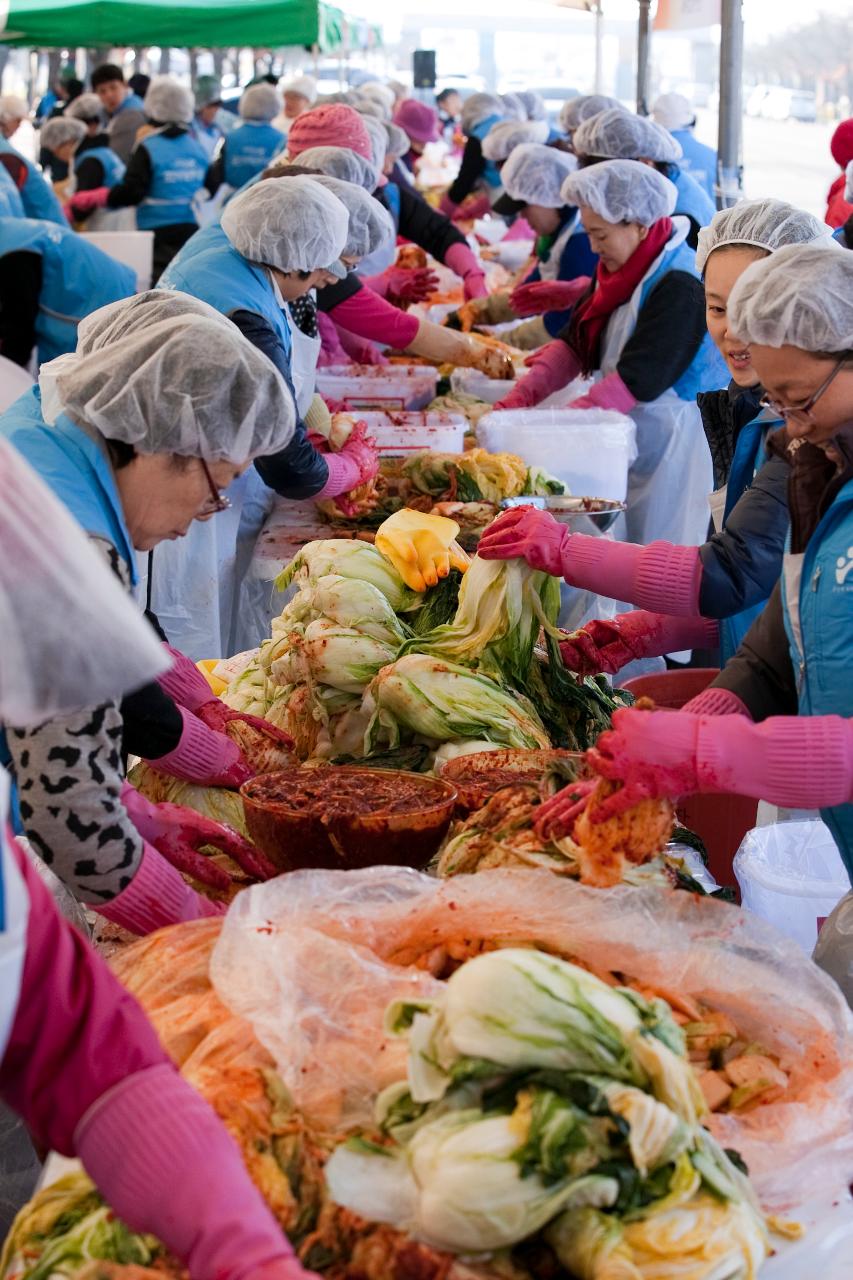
(205, 24)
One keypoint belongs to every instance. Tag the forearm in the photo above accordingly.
(369, 316)
(801, 762)
(444, 346)
(662, 577)
(297, 471)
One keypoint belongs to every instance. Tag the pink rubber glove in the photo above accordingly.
(360, 350)
(609, 393)
(403, 284)
(716, 702)
(157, 896)
(466, 264)
(539, 296)
(801, 762)
(168, 1166)
(204, 756)
(85, 201)
(184, 683)
(216, 715)
(607, 646)
(551, 367)
(447, 206)
(527, 534)
(473, 207)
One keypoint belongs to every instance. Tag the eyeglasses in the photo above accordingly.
(217, 500)
(804, 410)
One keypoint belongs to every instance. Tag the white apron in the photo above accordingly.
(550, 269)
(13, 922)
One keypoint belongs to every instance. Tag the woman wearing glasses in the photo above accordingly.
(690, 597)
(137, 434)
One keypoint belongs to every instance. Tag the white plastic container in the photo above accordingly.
(405, 433)
(471, 382)
(134, 248)
(367, 386)
(791, 874)
(590, 452)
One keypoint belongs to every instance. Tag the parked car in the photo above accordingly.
(789, 104)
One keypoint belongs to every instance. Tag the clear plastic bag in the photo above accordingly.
(312, 959)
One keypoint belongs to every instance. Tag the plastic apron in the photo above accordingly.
(669, 483)
(549, 268)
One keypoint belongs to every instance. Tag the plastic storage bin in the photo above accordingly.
(401, 433)
(368, 386)
(791, 874)
(471, 382)
(134, 248)
(590, 452)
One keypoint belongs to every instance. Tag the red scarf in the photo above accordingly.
(610, 290)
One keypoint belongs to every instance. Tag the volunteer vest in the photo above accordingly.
(700, 161)
(209, 268)
(249, 149)
(11, 204)
(178, 167)
(112, 165)
(817, 600)
(77, 279)
(37, 194)
(491, 173)
(391, 193)
(692, 201)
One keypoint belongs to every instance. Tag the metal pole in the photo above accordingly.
(643, 50)
(599, 36)
(729, 164)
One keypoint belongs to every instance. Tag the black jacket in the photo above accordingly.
(470, 171)
(420, 223)
(88, 170)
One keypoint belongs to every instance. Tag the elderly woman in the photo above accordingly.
(137, 438)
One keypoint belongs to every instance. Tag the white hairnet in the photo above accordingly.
(168, 101)
(503, 138)
(339, 162)
(259, 102)
(347, 98)
(370, 224)
(129, 315)
(382, 94)
(622, 191)
(514, 108)
(848, 183)
(478, 108)
(398, 141)
(535, 174)
(87, 107)
(72, 637)
(767, 224)
(304, 86)
(294, 225)
(12, 108)
(576, 110)
(188, 386)
(55, 133)
(801, 296)
(618, 135)
(673, 111)
(378, 141)
(369, 107)
(208, 90)
(534, 104)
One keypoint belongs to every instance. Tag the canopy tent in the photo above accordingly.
(204, 24)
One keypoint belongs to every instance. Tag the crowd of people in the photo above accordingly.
(165, 422)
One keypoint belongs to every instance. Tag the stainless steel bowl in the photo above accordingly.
(600, 513)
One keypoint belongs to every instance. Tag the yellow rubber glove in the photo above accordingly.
(422, 548)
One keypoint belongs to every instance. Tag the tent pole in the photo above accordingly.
(729, 166)
(599, 36)
(643, 50)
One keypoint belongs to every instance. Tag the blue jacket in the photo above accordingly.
(77, 279)
(576, 258)
(113, 166)
(491, 173)
(248, 150)
(178, 168)
(817, 601)
(132, 102)
(11, 204)
(693, 201)
(37, 194)
(699, 161)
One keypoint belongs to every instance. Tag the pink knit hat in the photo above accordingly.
(418, 120)
(334, 125)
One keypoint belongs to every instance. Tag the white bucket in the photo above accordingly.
(589, 451)
(791, 874)
(383, 387)
(399, 433)
(134, 248)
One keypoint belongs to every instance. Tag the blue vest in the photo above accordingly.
(491, 173)
(700, 161)
(77, 279)
(37, 194)
(692, 200)
(11, 204)
(249, 149)
(112, 165)
(707, 371)
(392, 201)
(838, 234)
(209, 268)
(820, 640)
(132, 102)
(178, 167)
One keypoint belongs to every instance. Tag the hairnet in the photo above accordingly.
(330, 126)
(418, 120)
(87, 108)
(208, 90)
(801, 296)
(673, 111)
(188, 386)
(260, 102)
(398, 141)
(117, 319)
(55, 133)
(576, 110)
(478, 108)
(304, 86)
(347, 98)
(370, 224)
(534, 104)
(535, 174)
(294, 226)
(72, 637)
(168, 102)
(382, 94)
(503, 138)
(369, 107)
(339, 162)
(619, 135)
(622, 191)
(513, 107)
(378, 141)
(767, 224)
(12, 108)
